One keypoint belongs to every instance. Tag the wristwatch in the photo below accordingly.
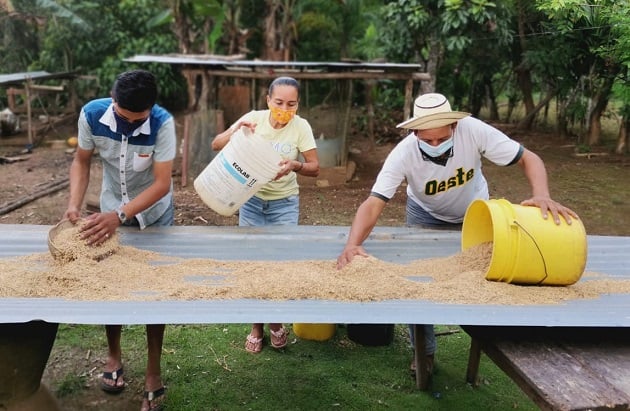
(121, 215)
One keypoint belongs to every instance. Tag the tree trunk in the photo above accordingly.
(199, 84)
(526, 122)
(279, 27)
(197, 81)
(623, 140)
(476, 96)
(599, 102)
(523, 74)
(435, 47)
(269, 51)
(511, 105)
(594, 126)
(562, 125)
(492, 101)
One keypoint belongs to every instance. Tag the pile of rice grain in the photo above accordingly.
(139, 275)
(70, 246)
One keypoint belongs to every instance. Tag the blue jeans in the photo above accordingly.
(167, 219)
(259, 212)
(419, 217)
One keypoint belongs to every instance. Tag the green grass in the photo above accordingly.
(70, 384)
(206, 368)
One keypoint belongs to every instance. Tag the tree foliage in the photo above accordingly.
(588, 33)
(573, 51)
(94, 37)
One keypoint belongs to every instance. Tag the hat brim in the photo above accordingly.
(433, 121)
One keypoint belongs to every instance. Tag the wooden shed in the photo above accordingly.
(206, 75)
(26, 89)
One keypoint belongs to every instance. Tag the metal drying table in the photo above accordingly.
(37, 319)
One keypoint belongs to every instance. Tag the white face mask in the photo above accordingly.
(435, 151)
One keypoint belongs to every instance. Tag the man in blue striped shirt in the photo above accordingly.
(135, 139)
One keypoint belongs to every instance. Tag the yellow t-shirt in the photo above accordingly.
(289, 141)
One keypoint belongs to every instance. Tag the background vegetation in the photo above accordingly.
(482, 54)
(509, 60)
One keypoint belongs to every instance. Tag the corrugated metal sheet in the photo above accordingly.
(218, 61)
(606, 254)
(18, 78)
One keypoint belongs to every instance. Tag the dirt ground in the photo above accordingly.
(594, 186)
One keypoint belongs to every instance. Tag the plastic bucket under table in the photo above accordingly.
(315, 332)
(526, 248)
(371, 334)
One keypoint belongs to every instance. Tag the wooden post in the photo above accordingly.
(185, 139)
(420, 355)
(29, 121)
(346, 125)
(474, 358)
(369, 86)
(408, 99)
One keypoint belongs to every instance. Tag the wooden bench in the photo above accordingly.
(559, 368)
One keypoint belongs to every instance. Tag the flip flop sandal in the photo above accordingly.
(279, 338)
(113, 375)
(253, 344)
(152, 396)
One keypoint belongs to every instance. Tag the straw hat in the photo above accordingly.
(431, 110)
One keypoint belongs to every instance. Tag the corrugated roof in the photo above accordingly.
(606, 254)
(18, 78)
(230, 63)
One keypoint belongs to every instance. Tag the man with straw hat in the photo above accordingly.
(441, 161)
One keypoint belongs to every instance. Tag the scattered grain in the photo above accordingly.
(134, 274)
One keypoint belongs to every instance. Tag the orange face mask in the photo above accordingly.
(282, 116)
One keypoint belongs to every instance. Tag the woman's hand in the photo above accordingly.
(236, 126)
(286, 166)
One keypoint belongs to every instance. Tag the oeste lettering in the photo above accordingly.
(460, 178)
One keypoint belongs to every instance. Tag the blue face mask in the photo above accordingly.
(435, 151)
(126, 127)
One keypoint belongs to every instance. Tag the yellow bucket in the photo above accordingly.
(526, 248)
(316, 332)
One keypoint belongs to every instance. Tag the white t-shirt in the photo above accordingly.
(446, 191)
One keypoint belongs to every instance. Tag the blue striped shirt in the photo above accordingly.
(128, 160)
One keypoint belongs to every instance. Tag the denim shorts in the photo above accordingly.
(419, 217)
(259, 212)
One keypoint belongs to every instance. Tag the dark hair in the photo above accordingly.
(135, 90)
(284, 81)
